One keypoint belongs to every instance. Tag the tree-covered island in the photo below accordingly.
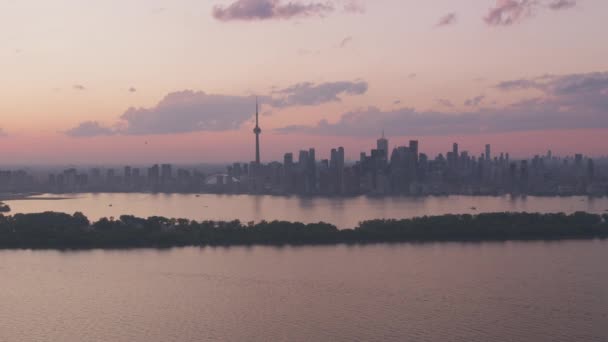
(60, 230)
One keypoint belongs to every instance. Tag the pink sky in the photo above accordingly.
(356, 66)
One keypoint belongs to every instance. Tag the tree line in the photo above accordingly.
(61, 230)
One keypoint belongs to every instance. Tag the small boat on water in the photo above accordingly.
(473, 208)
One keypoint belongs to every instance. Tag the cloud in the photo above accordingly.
(132, 90)
(447, 20)
(445, 102)
(251, 10)
(562, 4)
(396, 102)
(412, 76)
(345, 41)
(193, 111)
(89, 129)
(189, 111)
(508, 12)
(3, 132)
(311, 94)
(576, 101)
(354, 6)
(555, 85)
(78, 87)
(475, 101)
(520, 84)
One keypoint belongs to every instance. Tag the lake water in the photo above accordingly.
(513, 291)
(343, 212)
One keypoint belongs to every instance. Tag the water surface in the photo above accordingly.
(514, 291)
(343, 212)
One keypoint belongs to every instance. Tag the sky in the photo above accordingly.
(143, 81)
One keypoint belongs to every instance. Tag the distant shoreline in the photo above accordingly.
(31, 196)
(63, 196)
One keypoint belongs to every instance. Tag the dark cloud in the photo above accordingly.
(345, 41)
(562, 4)
(190, 111)
(311, 94)
(79, 87)
(475, 101)
(412, 76)
(578, 101)
(508, 12)
(447, 20)
(132, 90)
(445, 102)
(89, 129)
(270, 9)
(520, 84)
(595, 82)
(396, 102)
(405, 121)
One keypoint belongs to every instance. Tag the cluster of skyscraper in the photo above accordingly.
(404, 170)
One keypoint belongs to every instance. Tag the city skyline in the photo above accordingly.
(402, 170)
(179, 86)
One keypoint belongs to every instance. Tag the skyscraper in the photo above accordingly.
(414, 150)
(257, 130)
(382, 145)
(488, 153)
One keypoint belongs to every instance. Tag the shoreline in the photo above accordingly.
(64, 196)
(303, 245)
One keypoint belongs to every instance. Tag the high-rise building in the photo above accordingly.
(127, 172)
(488, 154)
(153, 174)
(590, 169)
(414, 150)
(288, 159)
(166, 172)
(303, 159)
(578, 160)
(336, 164)
(382, 145)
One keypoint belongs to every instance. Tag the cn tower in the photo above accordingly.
(257, 130)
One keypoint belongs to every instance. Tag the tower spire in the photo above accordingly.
(257, 132)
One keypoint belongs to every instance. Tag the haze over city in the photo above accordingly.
(148, 81)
